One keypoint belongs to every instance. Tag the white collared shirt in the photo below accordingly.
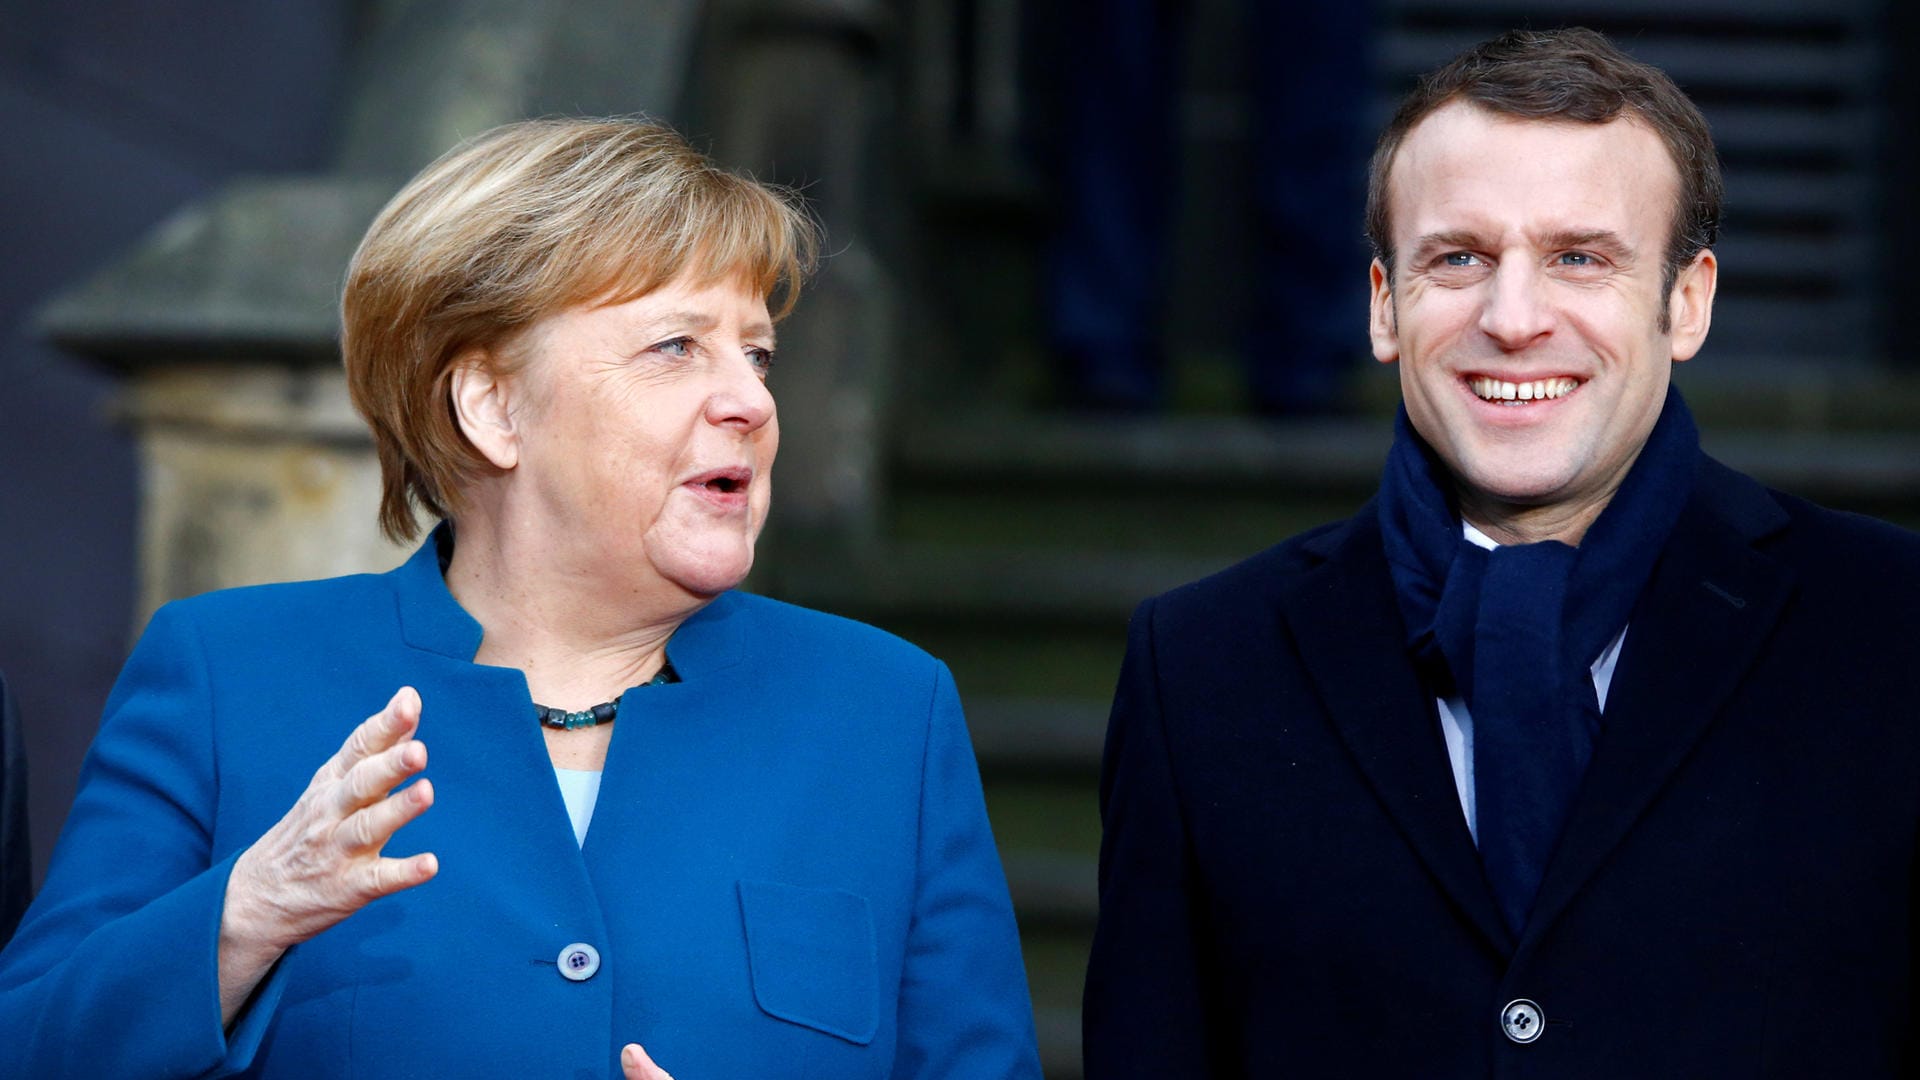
(1457, 727)
(580, 790)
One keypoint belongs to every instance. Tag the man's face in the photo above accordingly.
(1525, 307)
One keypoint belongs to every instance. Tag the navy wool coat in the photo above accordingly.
(789, 871)
(1289, 889)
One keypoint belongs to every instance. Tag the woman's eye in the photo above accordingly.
(680, 346)
(762, 359)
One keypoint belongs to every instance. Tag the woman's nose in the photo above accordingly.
(741, 398)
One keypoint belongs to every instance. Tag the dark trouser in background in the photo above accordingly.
(1310, 80)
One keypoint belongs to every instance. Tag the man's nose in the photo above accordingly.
(1517, 312)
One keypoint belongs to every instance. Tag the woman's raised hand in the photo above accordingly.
(636, 1065)
(321, 862)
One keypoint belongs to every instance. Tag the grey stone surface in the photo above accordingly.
(255, 270)
(253, 473)
(435, 72)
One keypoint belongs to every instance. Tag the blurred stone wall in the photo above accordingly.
(114, 114)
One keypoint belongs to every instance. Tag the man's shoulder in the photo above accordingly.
(1263, 579)
(1815, 540)
(1853, 543)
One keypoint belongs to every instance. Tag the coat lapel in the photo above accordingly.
(665, 739)
(1711, 603)
(1348, 627)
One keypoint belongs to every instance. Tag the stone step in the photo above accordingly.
(1201, 523)
(1794, 15)
(957, 585)
(1100, 453)
(1104, 453)
(1335, 462)
(1056, 962)
(1058, 1029)
(1053, 889)
(1729, 66)
(1038, 737)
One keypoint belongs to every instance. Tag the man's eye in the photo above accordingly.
(680, 346)
(762, 359)
(1576, 258)
(1460, 258)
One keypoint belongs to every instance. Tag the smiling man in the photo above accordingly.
(1575, 753)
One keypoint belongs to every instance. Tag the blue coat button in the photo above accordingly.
(579, 961)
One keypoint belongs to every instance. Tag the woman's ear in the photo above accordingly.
(481, 404)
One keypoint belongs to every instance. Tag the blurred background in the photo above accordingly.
(1092, 324)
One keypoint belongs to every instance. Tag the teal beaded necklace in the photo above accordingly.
(603, 713)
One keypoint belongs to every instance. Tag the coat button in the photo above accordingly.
(1522, 1020)
(579, 961)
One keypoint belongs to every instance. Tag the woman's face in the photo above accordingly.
(647, 437)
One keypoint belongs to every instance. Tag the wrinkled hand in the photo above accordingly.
(321, 862)
(635, 1063)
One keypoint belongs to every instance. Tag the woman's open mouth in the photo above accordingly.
(725, 487)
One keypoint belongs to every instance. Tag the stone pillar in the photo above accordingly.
(251, 473)
(254, 466)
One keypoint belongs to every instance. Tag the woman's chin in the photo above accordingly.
(712, 575)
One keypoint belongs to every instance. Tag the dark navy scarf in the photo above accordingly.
(1515, 632)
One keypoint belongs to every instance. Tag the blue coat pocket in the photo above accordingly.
(812, 957)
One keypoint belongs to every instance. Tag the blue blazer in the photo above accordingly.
(789, 872)
(1288, 887)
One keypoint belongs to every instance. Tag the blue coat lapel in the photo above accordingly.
(670, 736)
(430, 618)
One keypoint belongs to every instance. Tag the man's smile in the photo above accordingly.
(1489, 388)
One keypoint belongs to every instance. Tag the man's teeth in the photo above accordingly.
(1537, 390)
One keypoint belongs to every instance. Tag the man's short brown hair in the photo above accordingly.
(519, 223)
(1574, 75)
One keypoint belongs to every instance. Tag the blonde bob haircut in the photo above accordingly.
(519, 223)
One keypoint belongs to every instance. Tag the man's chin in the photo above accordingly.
(1516, 487)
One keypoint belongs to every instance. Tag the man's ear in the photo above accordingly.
(1690, 305)
(482, 405)
(1380, 322)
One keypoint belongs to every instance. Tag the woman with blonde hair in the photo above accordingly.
(663, 820)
